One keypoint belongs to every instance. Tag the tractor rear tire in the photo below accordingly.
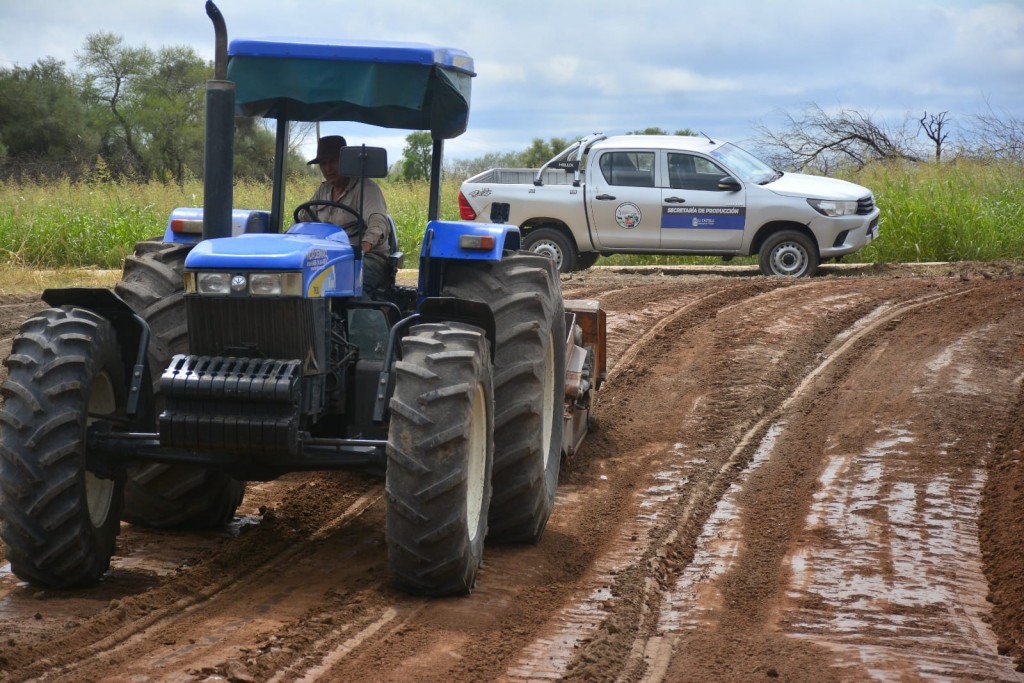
(169, 496)
(439, 458)
(60, 520)
(524, 292)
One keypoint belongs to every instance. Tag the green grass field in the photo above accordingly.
(962, 211)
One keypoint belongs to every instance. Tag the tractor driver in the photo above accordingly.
(345, 189)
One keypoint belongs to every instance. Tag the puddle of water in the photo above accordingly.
(548, 658)
(837, 302)
(863, 323)
(897, 585)
(242, 523)
(957, 360)
(694, 596)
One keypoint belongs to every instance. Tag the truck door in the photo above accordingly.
(625, 201)
(695, 214)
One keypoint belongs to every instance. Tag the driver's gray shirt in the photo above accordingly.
(374, 211)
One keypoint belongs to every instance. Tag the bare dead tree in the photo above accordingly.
(934, 126)
(822, 140)
(998, 136)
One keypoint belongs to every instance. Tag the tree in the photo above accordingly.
(170, 115)
(111, 70)
(998, 136)
(934, 126)
(823, 141)
(416, 156)
(655, 130)
(540, 152)
(42, 121)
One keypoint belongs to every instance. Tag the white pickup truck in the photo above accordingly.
(678, 195)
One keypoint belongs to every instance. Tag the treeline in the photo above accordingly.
(131, 113)
(123, 113)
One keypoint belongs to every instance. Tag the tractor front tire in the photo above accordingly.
(525, 295)
(60, 520)
(169, 496)
(439, 457)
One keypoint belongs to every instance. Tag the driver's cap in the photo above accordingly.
(327, 148)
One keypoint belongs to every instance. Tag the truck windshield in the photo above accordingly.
(744, 164)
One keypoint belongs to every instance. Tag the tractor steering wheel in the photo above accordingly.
(326, 202)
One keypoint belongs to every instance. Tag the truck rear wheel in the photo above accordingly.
(554, 245)
(60, 520)
(440, 452)
(586, 260)
(169, 496)
(788, 253)
(524, 293)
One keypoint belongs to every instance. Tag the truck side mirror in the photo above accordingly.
(729, 184)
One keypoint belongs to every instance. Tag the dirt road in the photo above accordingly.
(790, 480)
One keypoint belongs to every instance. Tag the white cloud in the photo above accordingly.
(562, 68)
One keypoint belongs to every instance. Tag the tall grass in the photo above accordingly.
(965, 210)
(959, 211)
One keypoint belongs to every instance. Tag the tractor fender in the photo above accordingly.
(432, 309)
(469, 241)
(132, 335)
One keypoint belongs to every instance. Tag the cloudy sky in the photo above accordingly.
(571, 67)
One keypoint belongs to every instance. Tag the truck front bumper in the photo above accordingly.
(840, 236)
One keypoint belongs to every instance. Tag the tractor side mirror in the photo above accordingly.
(363, 162)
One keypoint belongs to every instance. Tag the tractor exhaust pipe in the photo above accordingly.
(218, 166)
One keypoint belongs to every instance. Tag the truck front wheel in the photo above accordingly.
(789, 253)
(555, 246)
(440, 453)
(60, 520)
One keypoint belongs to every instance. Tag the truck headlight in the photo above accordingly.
(833, 207)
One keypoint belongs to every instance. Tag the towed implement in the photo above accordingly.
(236, 349)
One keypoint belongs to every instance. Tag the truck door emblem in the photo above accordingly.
(627, 215)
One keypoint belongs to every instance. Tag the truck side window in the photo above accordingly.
(634, 169)
(691, 172)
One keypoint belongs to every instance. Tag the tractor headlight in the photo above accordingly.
(213, 283)
(275, 284)
(220, 283)
(833, 207)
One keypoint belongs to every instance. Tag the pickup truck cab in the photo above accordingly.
(673, 195)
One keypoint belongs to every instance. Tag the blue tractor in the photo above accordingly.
(236, 349)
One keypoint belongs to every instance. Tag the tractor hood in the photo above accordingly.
(393, 85)
(320, 251)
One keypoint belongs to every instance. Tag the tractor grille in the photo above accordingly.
(240, 405)
(865, 205)
(260, 328)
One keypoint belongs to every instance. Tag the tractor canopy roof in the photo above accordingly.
(393, 85)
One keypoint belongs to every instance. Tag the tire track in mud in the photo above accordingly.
(650, 655)
(688, 586)
(332, 634)
(178, 620)
(701, 369)
(603, 645)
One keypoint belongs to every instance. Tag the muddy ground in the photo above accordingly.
(814, 480)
